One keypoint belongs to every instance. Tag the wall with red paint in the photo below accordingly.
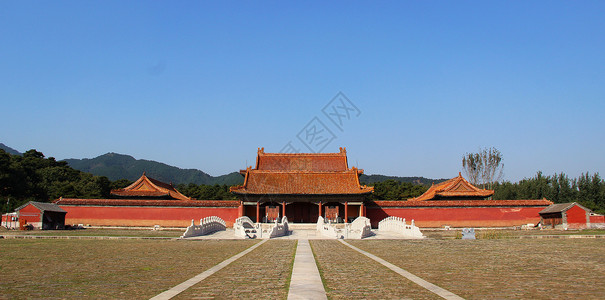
(459, 216)
(597, 219)
(576, 215)
(29, 213)
(145, 216)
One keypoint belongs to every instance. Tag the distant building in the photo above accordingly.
(149, 188)
(302, 187)
(569, 215)
(458, 203)
(456, 188)
(41, 215)
(146, 203)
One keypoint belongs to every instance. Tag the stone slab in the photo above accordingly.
(305, 282)
(443, 293)
(196, 279)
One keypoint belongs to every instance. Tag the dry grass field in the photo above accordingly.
(348, 274)
(263, 273)
(98, 232)
(109, 269)
(139, 269)
(504, 268)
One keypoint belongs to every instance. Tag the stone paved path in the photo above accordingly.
(191, 282)
(306, 282)
(421, 282)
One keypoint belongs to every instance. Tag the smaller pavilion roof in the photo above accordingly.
(149, 187)
(457, 187)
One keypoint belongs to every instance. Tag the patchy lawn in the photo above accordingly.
(347, 274)
(98, 232)
(508, 233)
(263, 273)
(110, 269)
(502, 268)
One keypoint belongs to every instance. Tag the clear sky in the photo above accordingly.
(203, 84)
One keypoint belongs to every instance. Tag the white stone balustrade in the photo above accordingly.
(278, 229)
(358, 229)
(207, 225)
(398, 225)
(245, 228)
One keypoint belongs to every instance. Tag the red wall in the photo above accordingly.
(576, 215)
(459, 217)
(145, 216)
(29, 213)
(597, 219)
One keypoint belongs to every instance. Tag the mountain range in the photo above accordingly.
(120, 166)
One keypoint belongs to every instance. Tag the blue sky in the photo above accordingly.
(204, 84)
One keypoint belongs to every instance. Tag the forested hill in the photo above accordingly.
(370, 179)
(119, 166)
(9, 150)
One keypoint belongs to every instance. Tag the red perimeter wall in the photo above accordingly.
(145, 216)
(576, 217)
(597, 219)
(459, 216)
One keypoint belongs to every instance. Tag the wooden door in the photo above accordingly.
(331, 213)
(272, 213)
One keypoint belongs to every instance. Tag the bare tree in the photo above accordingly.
(472, 165)
(483, 168)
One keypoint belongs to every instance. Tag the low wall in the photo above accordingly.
(147, 216)
(458, 216)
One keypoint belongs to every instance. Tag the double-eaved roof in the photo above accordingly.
(455, 188)
(149, 187)
(301, 174)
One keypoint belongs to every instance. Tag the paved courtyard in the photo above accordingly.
(305, 268)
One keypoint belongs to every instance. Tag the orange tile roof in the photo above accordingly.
(453, 188)
(146, 202)
(319, 162)
(149, 187)
(302, 174)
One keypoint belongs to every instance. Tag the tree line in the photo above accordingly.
(32, 177)
(587, 189)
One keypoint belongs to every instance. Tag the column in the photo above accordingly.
(320, 209)
(346, 211)
(283, 204)
(257, 212)
(362, 210)
(240, 209)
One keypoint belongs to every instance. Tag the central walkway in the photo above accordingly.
(306, 282)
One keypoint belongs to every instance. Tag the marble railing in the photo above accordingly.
(398, 225)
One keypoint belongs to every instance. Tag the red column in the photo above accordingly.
(257, 212)
(362, 211)
(320, 209)
(346, 211)
(240, 209)
(283, 209)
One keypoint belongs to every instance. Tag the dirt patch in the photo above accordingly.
(347, 274)
(507, 268)
(112, 269)
(263, 273)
